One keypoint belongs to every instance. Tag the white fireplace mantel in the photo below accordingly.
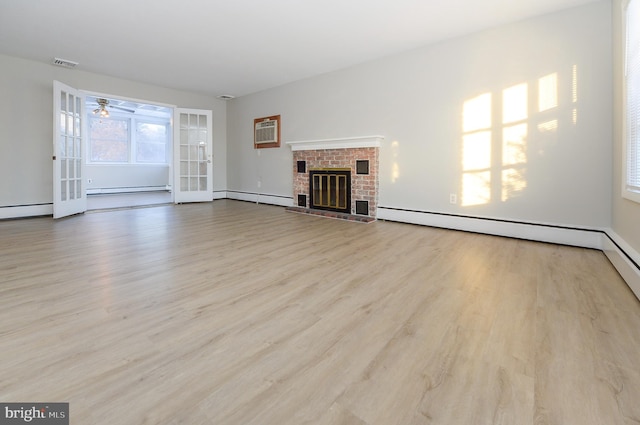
(344, 143)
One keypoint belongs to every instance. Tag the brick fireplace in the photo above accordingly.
(358, 155)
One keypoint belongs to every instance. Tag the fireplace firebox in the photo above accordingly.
(330, 189)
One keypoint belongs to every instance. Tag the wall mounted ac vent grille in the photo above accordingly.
(64, 63)
(266, 132)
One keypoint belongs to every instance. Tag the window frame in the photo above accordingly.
(132, 143)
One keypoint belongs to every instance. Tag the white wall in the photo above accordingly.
(126, 177)
(26, 114)
(416, 101)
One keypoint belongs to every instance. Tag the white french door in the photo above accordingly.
(192, 153)
(69, 194)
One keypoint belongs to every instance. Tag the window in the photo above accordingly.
(151, 142)
(631, 189)
(122, 140)
(109, 139)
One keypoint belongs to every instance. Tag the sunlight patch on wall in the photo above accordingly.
(477, 113)
(497, 150)
(476, 150)
(514, 144)
(574, 94)
(515, 103)
(548, 92)
(395, 168)
(514, 158)
(476, 188)
(548, 126)
(513, 182)
(515, 113)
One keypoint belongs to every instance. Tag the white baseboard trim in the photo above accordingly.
(22, 211)
(587, 238)
(222, 194)
(624, 258)
(110, 190)
(259, 198)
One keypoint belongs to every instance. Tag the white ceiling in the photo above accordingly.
(238, 47)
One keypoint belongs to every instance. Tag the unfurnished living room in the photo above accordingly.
(320, 212)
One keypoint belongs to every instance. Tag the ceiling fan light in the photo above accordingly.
(104, 113)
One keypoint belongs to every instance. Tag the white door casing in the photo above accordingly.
(192, 153)
(69, 193)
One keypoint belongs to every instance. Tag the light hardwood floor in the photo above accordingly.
(237, 313)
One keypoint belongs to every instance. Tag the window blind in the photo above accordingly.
(633, 96)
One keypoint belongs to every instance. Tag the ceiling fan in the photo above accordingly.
(102, 108)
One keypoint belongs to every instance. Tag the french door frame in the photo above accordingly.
(69, 192)
(64, 207)
(193, 155)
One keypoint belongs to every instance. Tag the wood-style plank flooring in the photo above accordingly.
(237, 313)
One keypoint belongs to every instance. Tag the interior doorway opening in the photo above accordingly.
(129, 153)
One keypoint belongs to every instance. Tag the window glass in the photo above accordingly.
(109, 139)
(151, 142)
(135, 140)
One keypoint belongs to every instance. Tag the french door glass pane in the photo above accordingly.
(193, 154)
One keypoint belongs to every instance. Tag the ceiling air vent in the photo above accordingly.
(64, 63)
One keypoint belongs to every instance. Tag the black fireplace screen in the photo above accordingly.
(330, 189)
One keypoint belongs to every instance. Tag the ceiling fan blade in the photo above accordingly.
(131, 111)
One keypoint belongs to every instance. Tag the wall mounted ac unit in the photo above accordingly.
(266, 132)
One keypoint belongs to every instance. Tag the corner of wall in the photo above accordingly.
(624, 258)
